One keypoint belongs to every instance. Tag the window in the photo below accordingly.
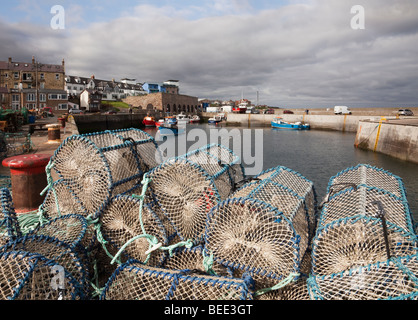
(42, 97)
(42, 76)
(27, 76)
(31, 97)
(16, 75)
(57, 76)
(62, 106)
(6, 75)
(69, 88)
(15, 98)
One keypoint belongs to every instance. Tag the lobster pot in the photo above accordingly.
(394, 279)
(217, 153)
(62, 200)
(297, 290)
(294, 181)
(56, 250)
(251, 236)
(9, 225)
(101, 165)
(370, 188)
(285, 200)
(367, 201)
(186, 193)
(358, 241)
(133, 281)
(71, 229)
(221, 164)
(194, 259)
(28, 276)
(364, 174)
(122, 221)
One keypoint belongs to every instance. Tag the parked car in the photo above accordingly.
(287, 112)
(269, 111)
(75, 111)
(405, 112)
(111, 112)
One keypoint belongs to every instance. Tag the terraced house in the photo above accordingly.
(32, 85)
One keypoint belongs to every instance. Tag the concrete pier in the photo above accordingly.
(343, 123)
(395, 137)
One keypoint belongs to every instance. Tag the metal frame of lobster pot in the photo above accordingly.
(134, 281)
(98, 166)
(251, 236)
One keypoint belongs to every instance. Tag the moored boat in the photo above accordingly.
(182, 118)
(195, 119)
(149, 121)
(215, 120)
(280, 124)
(170, 126)
(159, 122)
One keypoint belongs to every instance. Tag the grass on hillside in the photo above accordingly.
(118, 104)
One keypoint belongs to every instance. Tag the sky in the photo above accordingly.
(293, 53)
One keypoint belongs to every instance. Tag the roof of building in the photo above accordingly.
(30, 67)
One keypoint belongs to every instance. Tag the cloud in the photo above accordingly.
(301, 54)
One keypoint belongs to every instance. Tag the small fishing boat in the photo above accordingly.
(182, 118)
(195, 119)
(215, 120)
(149, 121)
(159, 122)
(170, 126)
(280, 124)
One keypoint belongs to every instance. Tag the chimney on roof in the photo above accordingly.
(33, 59)
(92, 76)
(63, 62)
(10, 59)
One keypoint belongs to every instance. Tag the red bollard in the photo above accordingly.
(28, 179)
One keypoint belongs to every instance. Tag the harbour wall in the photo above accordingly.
(343, 123)
(396, 138)
(88, 123)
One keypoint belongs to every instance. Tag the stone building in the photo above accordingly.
(166, 102)
(32, 84)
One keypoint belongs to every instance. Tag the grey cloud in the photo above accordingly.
(301, 54)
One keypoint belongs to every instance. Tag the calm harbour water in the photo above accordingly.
(317, 155)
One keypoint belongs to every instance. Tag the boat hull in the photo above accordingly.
(149, 123)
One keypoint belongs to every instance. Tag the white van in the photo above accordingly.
(341, 110)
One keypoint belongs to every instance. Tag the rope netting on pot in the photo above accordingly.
(68, 257)
(361, 227)
(29, 276)
(283, 178)
(134, 281)
(292, 205)
(251, 236)
(221, 164)
(393, 279)
(98, 166)
(9, 224)
(185, 193)
(134, 230)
